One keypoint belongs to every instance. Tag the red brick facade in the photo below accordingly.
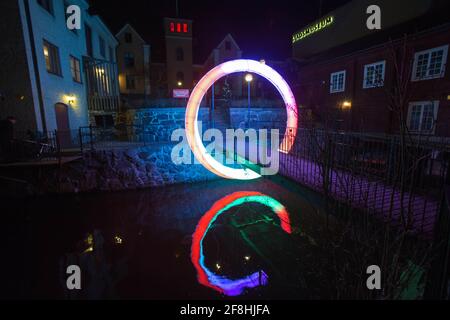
(370, 111)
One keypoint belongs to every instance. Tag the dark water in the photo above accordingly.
(137, 244)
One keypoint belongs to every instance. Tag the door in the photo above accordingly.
(62, 124)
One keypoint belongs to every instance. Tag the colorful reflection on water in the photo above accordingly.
(232, 287)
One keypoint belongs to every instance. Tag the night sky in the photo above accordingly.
(262, 29)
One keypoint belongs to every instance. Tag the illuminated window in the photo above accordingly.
(52, 61)
(47, 5)
(178, 27)
(374, 75)
(180, 54)
(422, 116)
(129, 59)
(185, 27)
(172, 27)
(337, 82)
(75, 69)
(430, 64)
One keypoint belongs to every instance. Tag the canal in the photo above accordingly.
(259, 242)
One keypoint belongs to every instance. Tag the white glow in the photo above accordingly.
(192, 130)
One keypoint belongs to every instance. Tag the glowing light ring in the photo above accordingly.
(219, 283)
(192, 130)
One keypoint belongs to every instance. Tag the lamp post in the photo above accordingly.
(248, 79)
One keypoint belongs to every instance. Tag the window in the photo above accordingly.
(75, 69)
(47, 5)
(102, 46)
(180, 54)
(227, 45)
(430, 64)
(374, 75)
(180, 76)
(88, 32)
(131, 83)
(128, 37)
(337, 82)
(422, 116)
(52, 61)
(178, 27)
(129, 59)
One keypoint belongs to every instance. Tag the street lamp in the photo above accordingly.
(179, 83)
(248, 79)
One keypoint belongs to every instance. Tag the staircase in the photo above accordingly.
(220, 118)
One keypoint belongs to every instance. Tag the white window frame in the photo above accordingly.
(430, 51)
(435, 113)
(366, 69)
(343, 84)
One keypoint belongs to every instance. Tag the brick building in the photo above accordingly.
(377, 80)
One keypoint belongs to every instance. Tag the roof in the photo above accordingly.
(228, 37)
(130, 27)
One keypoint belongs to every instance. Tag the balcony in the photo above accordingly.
(102, 86)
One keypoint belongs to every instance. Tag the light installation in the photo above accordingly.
(208, 278)
(191, 124)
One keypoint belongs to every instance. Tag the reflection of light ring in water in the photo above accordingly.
(192, 131)
(219, 283)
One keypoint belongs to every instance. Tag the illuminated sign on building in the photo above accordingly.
(181, 93)
(322, 24)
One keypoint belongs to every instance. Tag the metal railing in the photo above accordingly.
(438, 282)
(400, 181)
(31, 146)
(121, 136)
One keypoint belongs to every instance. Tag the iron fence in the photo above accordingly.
(122, 136)
(30, 146)
(397, 179)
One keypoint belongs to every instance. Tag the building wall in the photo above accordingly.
(175, 40)
(349, 23)
(158, 80)
(370, 111)
(16, 95)
(140, 70)
(222, 54)
(57, 89)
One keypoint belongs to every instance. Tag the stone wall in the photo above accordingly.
(259, 118)
(113, 170)
(159, 123)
